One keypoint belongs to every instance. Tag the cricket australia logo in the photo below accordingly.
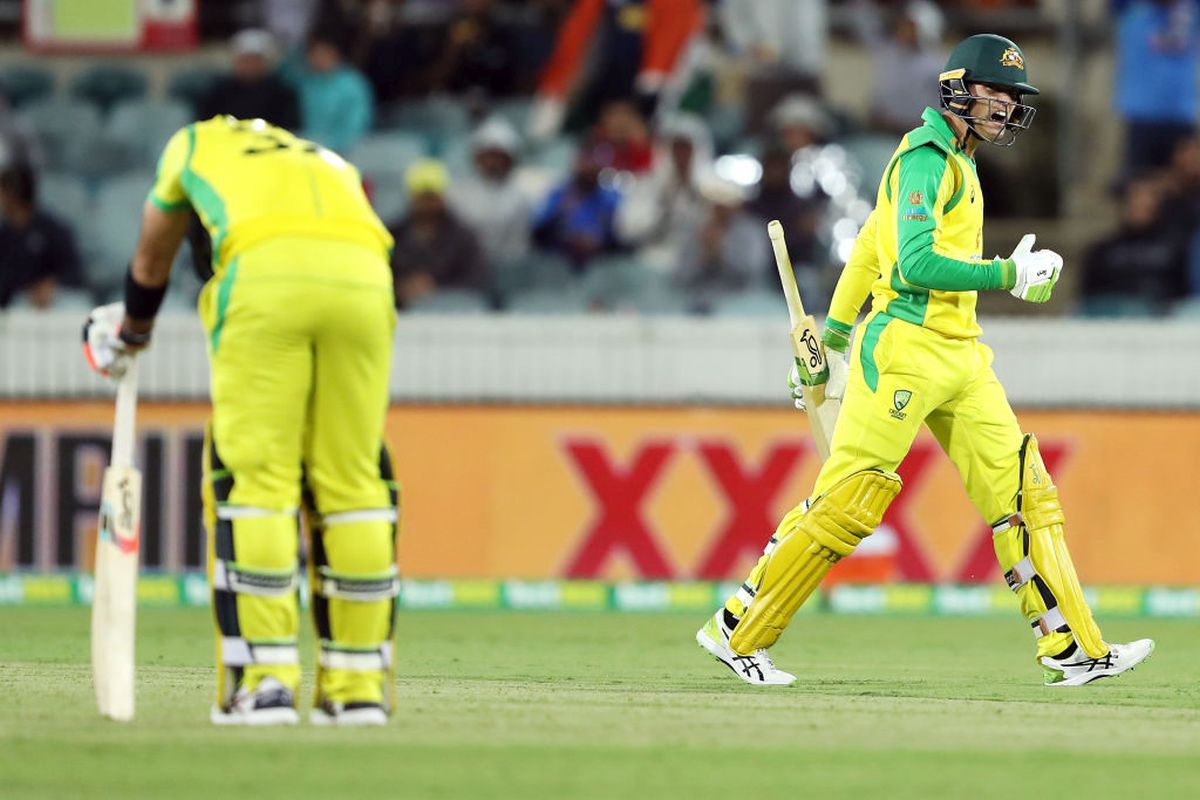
(899, 401)
(1012, 58)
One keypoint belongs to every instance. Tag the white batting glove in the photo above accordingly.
(102, 345)
(1037, 271)
(795, 387)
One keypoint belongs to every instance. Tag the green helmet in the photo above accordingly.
(996, 62)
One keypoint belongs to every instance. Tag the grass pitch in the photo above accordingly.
(515, 705)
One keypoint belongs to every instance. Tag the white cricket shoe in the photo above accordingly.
(756, 669)
(348, 715)
(1078, 669)
(271, 703)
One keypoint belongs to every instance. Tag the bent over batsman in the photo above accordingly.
(298, 314)
(918, 361)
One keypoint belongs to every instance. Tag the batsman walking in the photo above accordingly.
(299, 321)
(918, 361)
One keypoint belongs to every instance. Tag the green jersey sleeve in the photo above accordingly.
(919, 205)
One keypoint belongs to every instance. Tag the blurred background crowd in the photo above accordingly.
(624, 155)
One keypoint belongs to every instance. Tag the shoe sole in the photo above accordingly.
(1090, 677)
(256, 719)
(715, 651)
(357, 718)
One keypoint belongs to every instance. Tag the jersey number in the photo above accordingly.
(269, 141)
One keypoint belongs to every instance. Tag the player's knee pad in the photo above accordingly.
(1032, 551)
(829, 531)
(253, 576)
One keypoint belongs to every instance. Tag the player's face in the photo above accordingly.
(991, 110)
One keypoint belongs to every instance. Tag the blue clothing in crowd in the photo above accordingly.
(336, 107)
(569, 218)
(1157, 49)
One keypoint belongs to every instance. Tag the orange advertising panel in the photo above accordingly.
(662, 493)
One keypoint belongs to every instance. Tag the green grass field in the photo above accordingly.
(533, 705)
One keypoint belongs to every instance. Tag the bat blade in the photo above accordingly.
(118, 540)
(114, 596)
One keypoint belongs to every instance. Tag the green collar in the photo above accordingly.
(934, 120)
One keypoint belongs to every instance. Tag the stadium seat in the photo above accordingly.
(514, 110)
(436, 120)
(23, 85)
(66, 197)
(548, 301)
(538, 270)
(389, 198)
(751, 303)
(1114, 305)
(67, 131)
(1188, 309)
(450, 301)
(137, 130)
(458, 155)
(871, 153)
(118, 215)
(109, 84)
(617, 282)
(390, 153)
(555, 156)
(189, 86)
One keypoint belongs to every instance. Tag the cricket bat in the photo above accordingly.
(808, 349)
(114, 598)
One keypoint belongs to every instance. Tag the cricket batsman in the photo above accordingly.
(918, 360)
(299, 317)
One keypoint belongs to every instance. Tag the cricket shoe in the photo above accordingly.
(756, 669)
(1077, 668)
(348, 715)
(271, 703)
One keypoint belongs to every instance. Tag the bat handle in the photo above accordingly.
(126, 418)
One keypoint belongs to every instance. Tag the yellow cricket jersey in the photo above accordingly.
(249, 182)
(921, 250)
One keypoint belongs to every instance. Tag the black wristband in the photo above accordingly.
(142, 302)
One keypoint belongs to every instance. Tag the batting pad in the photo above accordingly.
(1032, 551)
(830, 530)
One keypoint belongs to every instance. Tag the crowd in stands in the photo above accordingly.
(564, 155)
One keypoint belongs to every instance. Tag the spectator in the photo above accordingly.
(252, 91)
(639, 48)
(801, 218)
(37, 250)
(433, 249)
(1158, 44)
(783, 41)
(1142, 259)
(489, 201)
(477, 54)
(729, 254)
(663, 208)
(800, 121)
(907, 62)
(336, 105)
(621, 139)
(576, 219)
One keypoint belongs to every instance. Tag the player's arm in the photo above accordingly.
(164, 224)
(920, 199)
(853, 288)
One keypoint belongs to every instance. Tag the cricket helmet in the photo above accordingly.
(997, 62)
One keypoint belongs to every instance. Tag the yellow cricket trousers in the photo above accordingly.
(300, 339)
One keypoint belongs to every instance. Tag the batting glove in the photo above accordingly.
(103, 347)
(1036, 271)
